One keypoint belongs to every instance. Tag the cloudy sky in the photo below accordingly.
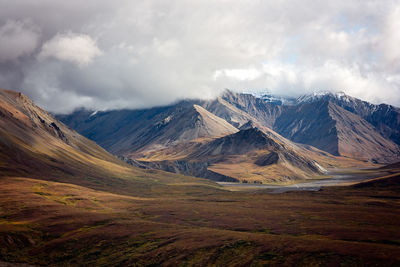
(103, 54)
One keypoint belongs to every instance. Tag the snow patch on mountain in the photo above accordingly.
(271, 98)
(317, 95)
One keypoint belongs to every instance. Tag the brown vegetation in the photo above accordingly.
(45, 223)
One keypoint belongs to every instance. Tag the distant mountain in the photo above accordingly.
(323, 95)
(331, 128)
(385, 118)
(238, 109)
(335, 123)
(125, 132)
(367, 132)
(192, 137)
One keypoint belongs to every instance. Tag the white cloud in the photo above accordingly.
(155, 52)
(238, 74)
(80, 49)
(291, 79)
(17, 38)
(389, 41)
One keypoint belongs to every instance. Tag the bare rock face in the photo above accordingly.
(385, 118)
(331, 128)
(238, 109)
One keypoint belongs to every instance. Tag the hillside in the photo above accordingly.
(34, 144)
(143, 130)
(385, 118)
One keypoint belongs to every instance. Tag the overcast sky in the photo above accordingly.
(104, 54)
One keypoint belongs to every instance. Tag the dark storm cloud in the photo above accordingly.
(117, 54)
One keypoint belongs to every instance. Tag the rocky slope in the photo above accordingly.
(336, 123)
(126, 132)
(250, 155)
(331, 128)
(240, 108)
(385, 118)
(33, 141)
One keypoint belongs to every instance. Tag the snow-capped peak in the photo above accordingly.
(317, 95)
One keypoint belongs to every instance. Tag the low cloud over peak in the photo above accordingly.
(129, 54)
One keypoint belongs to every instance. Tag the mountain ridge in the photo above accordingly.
(320, 123)
(385, 118)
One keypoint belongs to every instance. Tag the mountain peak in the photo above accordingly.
(248, 125)
(323, 95)
(253, 137)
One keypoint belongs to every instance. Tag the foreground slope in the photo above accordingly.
(58, 224)
(27, 130)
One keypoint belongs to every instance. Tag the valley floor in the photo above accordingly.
(334, 177)
(50, 223)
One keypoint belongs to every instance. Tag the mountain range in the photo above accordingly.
(243, 137)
